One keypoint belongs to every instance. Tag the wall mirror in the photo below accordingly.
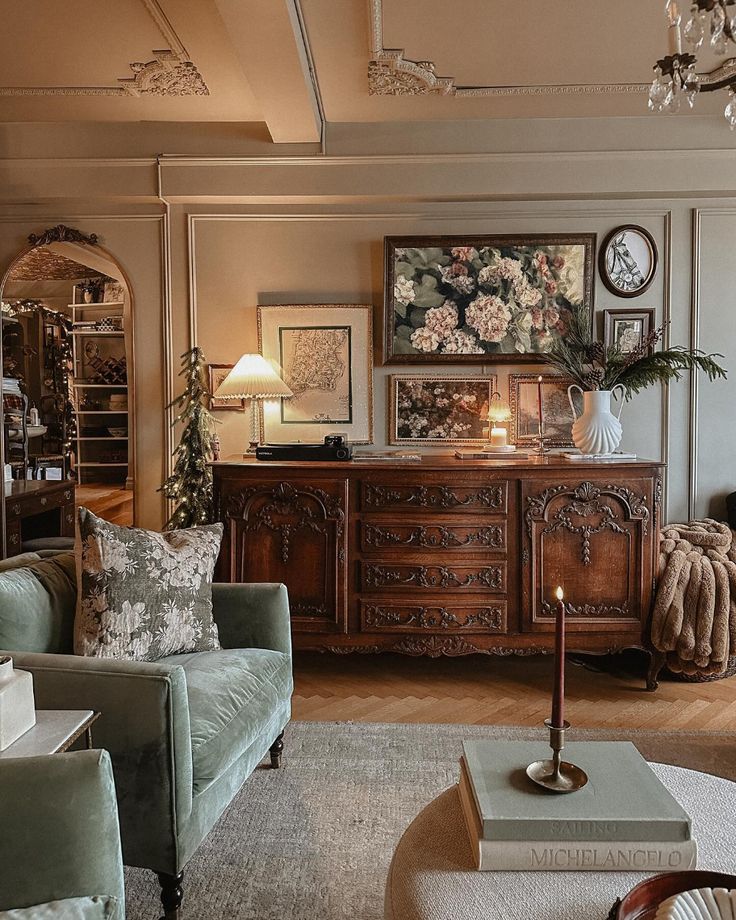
(68, 435)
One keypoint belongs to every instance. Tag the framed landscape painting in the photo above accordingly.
(556, 410)
(216, 374)
(439, 410)
(324, 353)
(470, 299)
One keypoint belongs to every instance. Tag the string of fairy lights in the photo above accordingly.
(60, 360)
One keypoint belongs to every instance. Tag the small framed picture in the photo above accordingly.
(439, 410)
(626, 329)
(217, 373)
(627, 260)
(114, 292)
(556, 410)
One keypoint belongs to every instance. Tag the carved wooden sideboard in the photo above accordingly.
(447, 557)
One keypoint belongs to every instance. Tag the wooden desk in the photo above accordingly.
(37, 508)
(445, 556)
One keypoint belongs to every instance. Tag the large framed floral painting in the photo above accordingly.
(439, 410)
(324, 352)
(474, 299)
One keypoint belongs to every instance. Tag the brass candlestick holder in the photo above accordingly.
(557, 775)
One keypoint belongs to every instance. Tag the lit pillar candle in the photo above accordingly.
(558, 696)
(499, 437)
(539, 404)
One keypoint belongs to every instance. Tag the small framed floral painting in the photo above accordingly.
(557, 413)
(439, 410)
(479, 299)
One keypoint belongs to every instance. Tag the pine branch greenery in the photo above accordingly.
(594, 367)
(190, 485)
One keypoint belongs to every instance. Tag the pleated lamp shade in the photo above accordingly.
(252, 378)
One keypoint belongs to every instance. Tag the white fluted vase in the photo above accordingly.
(597, 430)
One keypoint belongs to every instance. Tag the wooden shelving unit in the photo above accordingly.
(91, 458)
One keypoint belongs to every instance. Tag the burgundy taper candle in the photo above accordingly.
(558, 696)
(539, 404)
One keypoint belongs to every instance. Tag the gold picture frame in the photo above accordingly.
(556, 410)
(324, 352)
(437, 409)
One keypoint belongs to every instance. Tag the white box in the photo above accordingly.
(17, 705)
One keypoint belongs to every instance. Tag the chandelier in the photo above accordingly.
(675, 76)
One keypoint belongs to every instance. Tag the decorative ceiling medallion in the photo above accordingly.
(165, 76)
(391, 74)
(171, 73)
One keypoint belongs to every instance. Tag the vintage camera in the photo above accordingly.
(335, 440)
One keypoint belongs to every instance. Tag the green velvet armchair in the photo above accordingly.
(60, 839)
(184, 732)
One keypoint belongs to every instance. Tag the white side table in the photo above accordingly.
(55, 731)
(432, 875)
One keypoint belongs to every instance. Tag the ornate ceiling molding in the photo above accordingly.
(170, 73)
(391, 74)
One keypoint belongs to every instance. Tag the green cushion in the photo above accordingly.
(232, 694)
(94, 908)
(37, 603)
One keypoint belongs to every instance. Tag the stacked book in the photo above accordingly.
(623, 819)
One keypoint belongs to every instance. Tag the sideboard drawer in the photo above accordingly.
(433, 618)
(36, 504)
(480, 496)
(462, 536)
(384, 575)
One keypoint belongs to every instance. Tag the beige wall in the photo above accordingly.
(244, 231)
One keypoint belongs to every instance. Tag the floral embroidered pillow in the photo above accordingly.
(145, 595)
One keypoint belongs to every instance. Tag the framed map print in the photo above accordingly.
(324, 353)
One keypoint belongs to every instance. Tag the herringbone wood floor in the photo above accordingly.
(503, 691)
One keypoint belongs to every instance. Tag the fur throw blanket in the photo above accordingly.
(694, 616)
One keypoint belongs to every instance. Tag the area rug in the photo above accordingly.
(313, 840)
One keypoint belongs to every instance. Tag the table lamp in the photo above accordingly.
(253, 378)
(498, 436)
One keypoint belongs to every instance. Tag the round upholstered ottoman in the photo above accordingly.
(432, 876)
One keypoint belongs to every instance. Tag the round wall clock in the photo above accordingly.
(628, 260)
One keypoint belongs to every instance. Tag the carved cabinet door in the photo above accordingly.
(292, 532)
(595, 539)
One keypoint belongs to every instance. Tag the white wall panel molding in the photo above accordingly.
(429, 177)
(692, 495)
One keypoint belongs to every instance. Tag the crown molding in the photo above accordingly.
(392, 74)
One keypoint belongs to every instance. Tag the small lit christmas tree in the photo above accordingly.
(190, 485)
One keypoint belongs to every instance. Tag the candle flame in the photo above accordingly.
(560, 593)
(539, 379)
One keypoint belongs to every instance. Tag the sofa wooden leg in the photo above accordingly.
(276, 748)
(171, 894)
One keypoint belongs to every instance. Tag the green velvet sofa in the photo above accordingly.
(60, 844)
(184, 732)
